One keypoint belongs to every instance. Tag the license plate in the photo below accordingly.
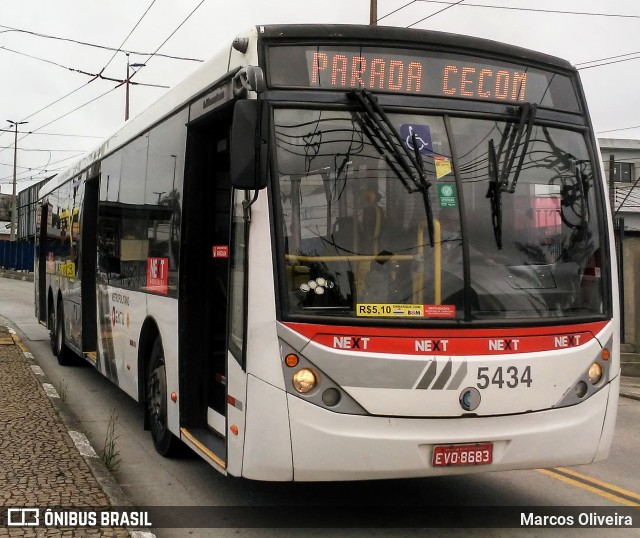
(451, 455)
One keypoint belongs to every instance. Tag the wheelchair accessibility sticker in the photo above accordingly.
(417, 136)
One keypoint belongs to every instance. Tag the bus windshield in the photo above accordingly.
(516, 236)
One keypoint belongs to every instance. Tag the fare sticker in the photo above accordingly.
(405, 311)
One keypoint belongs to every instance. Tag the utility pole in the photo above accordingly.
(126, 83)
(612, 188)
(373, 13)
(14, 204)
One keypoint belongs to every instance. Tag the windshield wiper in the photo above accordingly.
(495, 195)
(511, 143)
(386, 139)
(515, 133)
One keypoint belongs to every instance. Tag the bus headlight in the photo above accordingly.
(304, 380)
(595, 373)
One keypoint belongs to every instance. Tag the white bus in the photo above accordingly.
(342, 252)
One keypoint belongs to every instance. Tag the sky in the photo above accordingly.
(50, 52)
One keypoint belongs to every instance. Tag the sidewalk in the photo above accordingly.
(630, 387)
(16, 275)
(40, 464)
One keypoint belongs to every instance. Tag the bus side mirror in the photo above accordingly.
(249, 145)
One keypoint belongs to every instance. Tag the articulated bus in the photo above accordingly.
(345, 253)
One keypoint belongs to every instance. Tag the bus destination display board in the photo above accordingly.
(417, 73)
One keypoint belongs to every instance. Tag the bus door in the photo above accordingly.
(41, 262)
(72, 267)
(204, 277)
(80, 266)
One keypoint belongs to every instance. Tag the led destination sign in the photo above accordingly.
(417, 73)
(398, 74)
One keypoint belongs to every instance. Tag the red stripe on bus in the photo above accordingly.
(450, 341)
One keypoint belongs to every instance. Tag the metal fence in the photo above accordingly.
(16, 255)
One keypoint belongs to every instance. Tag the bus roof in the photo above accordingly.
(206, 76)
(393, 35)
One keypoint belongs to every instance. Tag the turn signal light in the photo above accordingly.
(605, 354)
(291, 360)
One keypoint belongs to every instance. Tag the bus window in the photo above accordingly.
(549, 223)
(355, 233)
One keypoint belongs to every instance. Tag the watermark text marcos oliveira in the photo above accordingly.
(581, 519)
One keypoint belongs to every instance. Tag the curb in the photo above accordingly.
(103, 476)
(16, 275)
(630, 395)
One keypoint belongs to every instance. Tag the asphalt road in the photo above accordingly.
(150, 480)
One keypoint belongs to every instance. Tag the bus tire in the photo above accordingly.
(61, 351)
(51, 325)
(165, 442)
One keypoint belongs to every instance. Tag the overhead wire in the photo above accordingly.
(580, 66)
(608, 58)
(119, 49)
(536, 10)
(436, 13)
(84, 43)
(171, 35)
(157, 54)
(48, 106)
(396, 10)
(52, 134)
(99, 75)
(93, 75)
(619, 129)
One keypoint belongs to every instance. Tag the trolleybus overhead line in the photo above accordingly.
(67, 68)
(536, 10)
(94, 45)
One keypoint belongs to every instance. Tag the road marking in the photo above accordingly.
(142, 534)
(82, 444)
(593, 485)
(37, 370)
(50, 390)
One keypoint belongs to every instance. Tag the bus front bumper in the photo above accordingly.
(333, 446)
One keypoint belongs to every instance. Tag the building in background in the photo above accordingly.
(5, 217)
(26, 211)
(626, 171)
(624, 192)
(19, 254)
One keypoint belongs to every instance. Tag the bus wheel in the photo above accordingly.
(60, 349)
(165, 442)
(51, 325)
